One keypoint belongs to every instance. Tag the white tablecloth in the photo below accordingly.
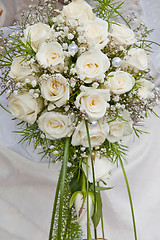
(27, 188)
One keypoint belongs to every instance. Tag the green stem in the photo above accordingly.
(102, 224)
(143, 40)
(83, 183)
(130, 198)
(94, 182)
(3, 91)
(64, 166)
(89, 237)
(55, 206)
(4, 108)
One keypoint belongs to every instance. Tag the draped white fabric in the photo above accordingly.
(27, 188)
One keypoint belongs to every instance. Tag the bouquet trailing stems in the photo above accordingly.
(64, 166)
(79, 82)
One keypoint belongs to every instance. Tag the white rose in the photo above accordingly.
(92, 65)
(145, 90)
(25, 107)
(79, 10)
(93, 102)
(36, 34)
(120, 128)
(98, 134)
(96, 33)
(122, 34)
(120, 82)
(20, 69)
(102, 168)
(55, 125)
(50, 55)
(56, 89)
(136, 58)
(81, 208)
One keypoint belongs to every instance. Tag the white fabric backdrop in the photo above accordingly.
(27, 188)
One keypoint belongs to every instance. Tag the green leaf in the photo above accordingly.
(101, 188)
(92, 196)
(4, 108)
(98, 210)
(76, 183)
(73, 198)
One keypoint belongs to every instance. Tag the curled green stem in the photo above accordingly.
(130, 198)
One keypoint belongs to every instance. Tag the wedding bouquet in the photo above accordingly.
(80, 84)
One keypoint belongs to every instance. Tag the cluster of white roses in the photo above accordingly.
(79, 68)
(72, 60)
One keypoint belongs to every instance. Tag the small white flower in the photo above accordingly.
(120, 82)
(136, 58)
(50, 55)
(18, 84)
(98, 134)
(120, 128)
(73, 71)
(43, 136)
(20, 69)
(81, 208)
(81, 39)
(32, 60)
(118, 105)
(56, 89)
(65, 46)
(93, 101)
(92, 65)
(80, 29)
(34, 83)
(122, 34)
(79, 10)
(72, 23)
(66, 108)
(66, 29)
(82, 49)
(60, 19)
(96, 32)
(55, 152)
(55, 125)
(116, 98)
(27, 80)
(70, 36)
(102, 168)
(57, 34)
(51, 147)
(83, 149)
(54, 19)
(31, 91)
(145, 90)
(36, 95)
(25, 107)
(37, 33)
